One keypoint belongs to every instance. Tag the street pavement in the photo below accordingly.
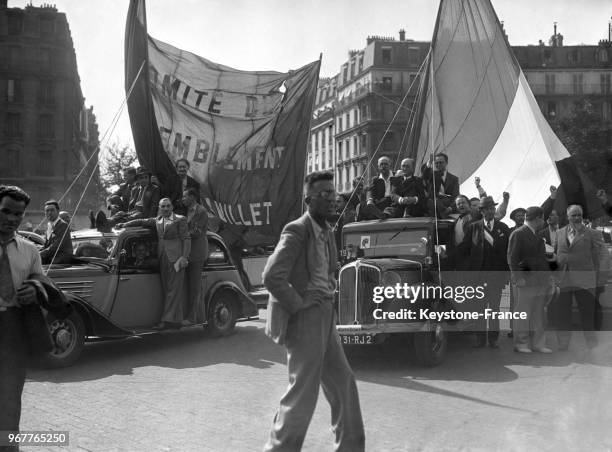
(185, 391)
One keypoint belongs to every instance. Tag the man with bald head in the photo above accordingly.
(379, 192)
(579, 254)
(174, 246)
(408, 193)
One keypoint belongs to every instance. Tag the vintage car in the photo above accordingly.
(114, 298)
(385, 253)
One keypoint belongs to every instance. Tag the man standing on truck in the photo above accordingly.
(299, 276)
(484, 251)
(174, 245)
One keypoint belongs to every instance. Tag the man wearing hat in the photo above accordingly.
(144, 200)
(484, 253)
(518, 216)
(531, 278)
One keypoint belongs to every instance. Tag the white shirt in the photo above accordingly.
(387, 182)
(50, 226)
(24, 261)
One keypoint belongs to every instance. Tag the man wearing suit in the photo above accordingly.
(177, 183)
(299, 276)
(550, 233)
(143, 203)
(174, 245)
(531, 277)
(579, 252)
(379, 192)
(197, 222)
(124, 191)
(58, 244)
(484, 253)
(441, 184)
(408, 193)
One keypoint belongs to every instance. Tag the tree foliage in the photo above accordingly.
(113, 160)
(586, 135)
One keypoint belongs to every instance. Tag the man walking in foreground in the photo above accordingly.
(300, 278)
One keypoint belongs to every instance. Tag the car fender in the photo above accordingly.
(248, 308)
(96, 323)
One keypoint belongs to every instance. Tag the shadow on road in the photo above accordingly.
(188, 348)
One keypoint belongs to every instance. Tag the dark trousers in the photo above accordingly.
(172, 285)
(492, 299)
(195, 309)
(563, 314)
(315, 358)
(13, 360)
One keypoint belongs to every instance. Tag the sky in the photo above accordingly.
(283, 34)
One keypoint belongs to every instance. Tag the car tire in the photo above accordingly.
(68, 337)
(222, 315)
(430, 346)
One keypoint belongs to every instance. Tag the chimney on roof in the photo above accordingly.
(556, 40)
(402, 35)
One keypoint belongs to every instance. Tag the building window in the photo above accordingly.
(330, 136)
(389, 142)
(46, 25)
(602, 55)
(44, 165)
(550, 83)
(352, 68)
(15, 23)
(46, 93)
(13, 125)
(14, 57)
(605, 83)
(45, 126)
(606, 110)
(340, 123)
(344, 73)
(551, 109)
(387, 83)
(13, 91)
(574, 56)
(364, 145)
(45, 60)
(360, 63)
(355, 146)
(10, 165)
(413, 56)
(339, 150)
(578, 83)
(387, 57)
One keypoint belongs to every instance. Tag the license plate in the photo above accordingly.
(357, 339)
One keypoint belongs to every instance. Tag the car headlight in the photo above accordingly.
(391, 278)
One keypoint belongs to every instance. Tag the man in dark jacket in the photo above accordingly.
(408, 193)
(531, 277)
(484, 246)
(144, 201)
(176, 185)
(58, 244)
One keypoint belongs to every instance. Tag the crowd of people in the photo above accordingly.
(547, 258)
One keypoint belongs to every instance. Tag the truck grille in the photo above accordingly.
(355, 300)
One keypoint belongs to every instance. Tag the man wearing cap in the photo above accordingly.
(484, 248)
(531, 278)
(518, 216)
(580, 251)
(379, 192)
(144, 201)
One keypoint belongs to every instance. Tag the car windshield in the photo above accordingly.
(101, 247)
(397, 243)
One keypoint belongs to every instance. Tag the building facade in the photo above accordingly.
(48, 134)
(363, 111)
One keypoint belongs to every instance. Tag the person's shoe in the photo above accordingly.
(542, 350)
(92, 220)
(522, 349)
(493, 343)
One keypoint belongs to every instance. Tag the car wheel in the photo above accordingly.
(222, 315)
(430, 346)
(68, 337)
